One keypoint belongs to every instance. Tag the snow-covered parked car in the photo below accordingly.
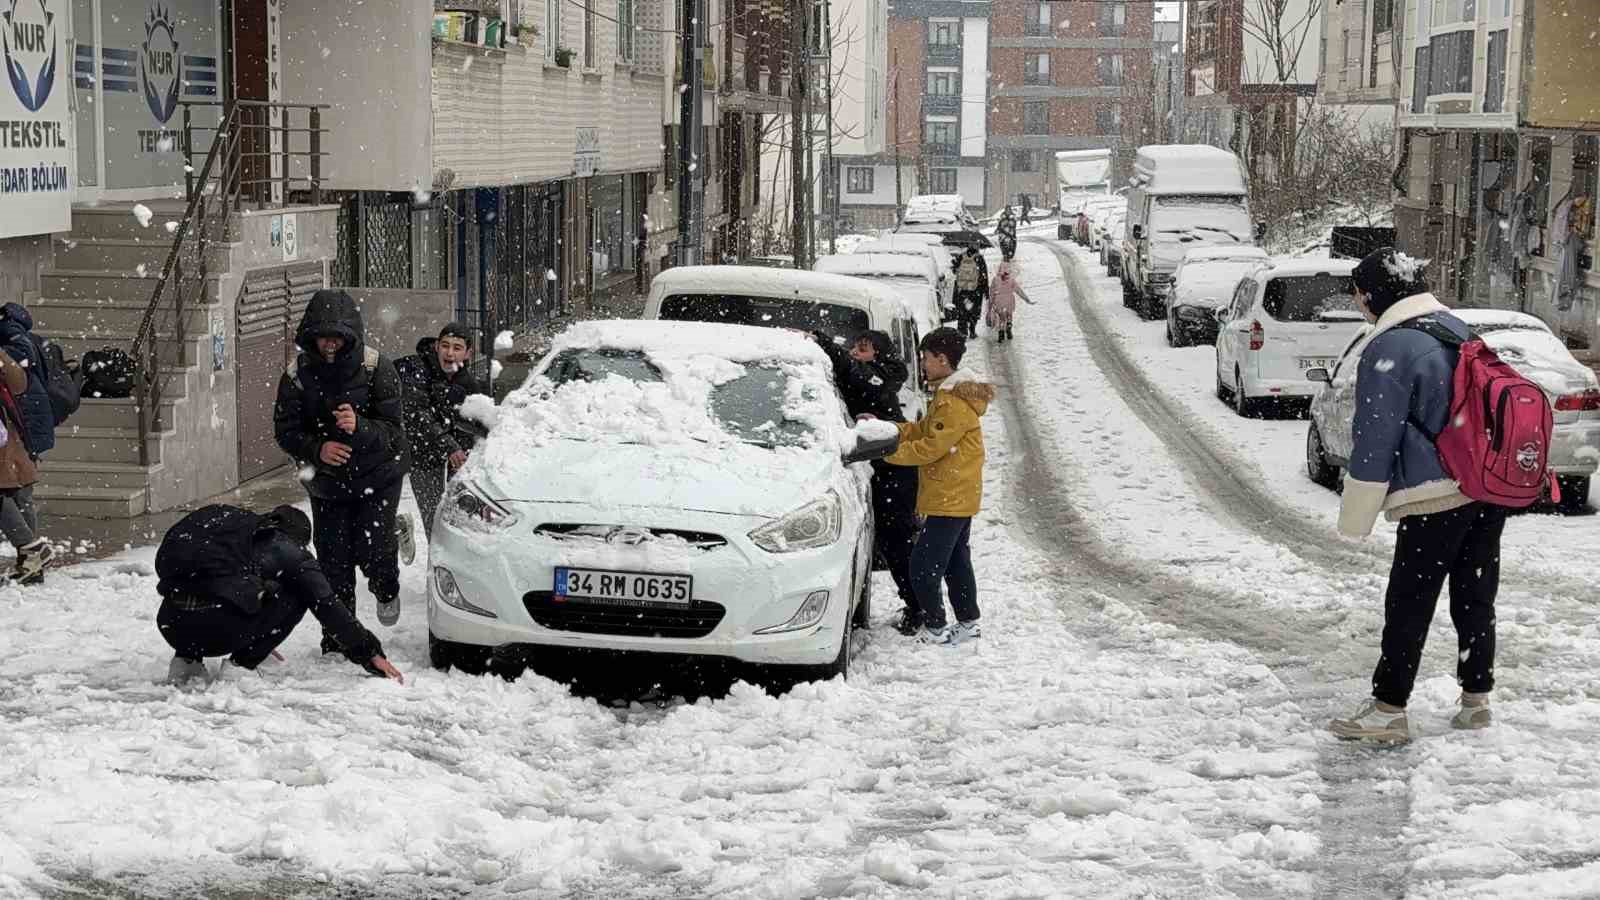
(1284, 319)
(1204, 280)
(928, 245)
(662, 487)
(837, 305)
(914, 278)
(1108, 240)
(1527, 345)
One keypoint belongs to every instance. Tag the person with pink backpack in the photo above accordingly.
(1003, 293)
(1447, 439)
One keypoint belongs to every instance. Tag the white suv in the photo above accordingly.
(1284, 319)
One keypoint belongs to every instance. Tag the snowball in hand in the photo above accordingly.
(503, 341)
(876, 430)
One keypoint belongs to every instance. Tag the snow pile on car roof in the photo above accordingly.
(862, 263)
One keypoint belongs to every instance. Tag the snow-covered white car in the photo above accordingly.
(928, 245)
(1527, 345)
(1201, 285)
(662, 487)
(914, 278)
(840, 306)
(1284, 319)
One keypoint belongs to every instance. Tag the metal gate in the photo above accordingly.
(270, 307)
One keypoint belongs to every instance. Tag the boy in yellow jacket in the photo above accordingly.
(946, 446)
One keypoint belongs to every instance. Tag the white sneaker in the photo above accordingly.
(31, 561)
(389, 613)
(940, 636)
(1373, 724)
(966, 631)
(181, 671)
(1474, 712)
(406, 535)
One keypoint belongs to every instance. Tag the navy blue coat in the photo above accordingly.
(39, 418)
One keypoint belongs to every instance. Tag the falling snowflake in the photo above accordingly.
(171, 227)
(307, 473)
(494, 369)
(165, 145)
(1384, 365)
(504, 341)
(1404, 267)
(143, 214)
(422, 195)
(139, 270)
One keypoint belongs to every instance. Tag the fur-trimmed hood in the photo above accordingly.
(966, 386)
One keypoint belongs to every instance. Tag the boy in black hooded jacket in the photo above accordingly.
(339, 414)
(436, 379)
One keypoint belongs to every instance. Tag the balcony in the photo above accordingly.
(944, 55)
(941, 104)
(1036, 29)
(931, 149)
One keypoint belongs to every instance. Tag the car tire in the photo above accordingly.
(1113, 265)
(1152, 308)
(1317, 466)
(469, 658)
(1130, 297)
(1176, 337)
(1222, 389)
(1574, 494)
(1242, 404)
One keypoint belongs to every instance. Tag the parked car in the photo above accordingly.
(934, 206)
(663, 488)
(1201, 285)
(1111, 248)
(914, 278)
(1091, 213)
(1527, 345)
(1283, 320)
(837, 305)
(918, 245)
(773, 261)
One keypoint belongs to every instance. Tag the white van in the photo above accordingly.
(837, 305)
(1180, 197)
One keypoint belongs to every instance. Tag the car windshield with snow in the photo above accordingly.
(1203, 281)
(662, 487)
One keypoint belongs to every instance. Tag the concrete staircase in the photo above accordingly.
(106, 269)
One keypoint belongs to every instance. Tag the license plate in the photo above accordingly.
(622, 587)
(1315, 362)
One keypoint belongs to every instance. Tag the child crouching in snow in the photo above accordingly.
(1003, 293)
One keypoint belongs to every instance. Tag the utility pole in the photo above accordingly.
(899, 203)
(691, 139)
(798, 130)
(832, 195)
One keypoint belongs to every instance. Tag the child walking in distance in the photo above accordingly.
(1403, 403)
(1003, 293)
(946, 447)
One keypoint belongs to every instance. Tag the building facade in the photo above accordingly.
(859, 59)
(1500, 145)
(1065, 78)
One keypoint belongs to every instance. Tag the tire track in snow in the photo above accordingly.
(1224, 478)
(1361, 825)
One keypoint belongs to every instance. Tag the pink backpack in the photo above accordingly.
(1496, 443)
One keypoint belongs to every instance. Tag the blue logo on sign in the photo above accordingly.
(29, 38)
(161, 69)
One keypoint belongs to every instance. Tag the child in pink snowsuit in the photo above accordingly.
(1003, 293)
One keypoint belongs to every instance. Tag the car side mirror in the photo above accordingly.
(1138, 232)
(868, 447)
(1319, 375)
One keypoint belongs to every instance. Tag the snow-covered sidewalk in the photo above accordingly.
(1080, 748)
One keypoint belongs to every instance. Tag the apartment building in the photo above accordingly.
(859, 60)
(1499, 150)
(939, 73)
(1360, 53)
(1065, 77)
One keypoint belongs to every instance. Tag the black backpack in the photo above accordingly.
(107, 372)
(58, 379)
(210, 553)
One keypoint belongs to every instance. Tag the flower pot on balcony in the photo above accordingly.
(564, 57)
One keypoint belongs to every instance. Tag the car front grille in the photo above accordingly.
(698, 619)
(699, 540)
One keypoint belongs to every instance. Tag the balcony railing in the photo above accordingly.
(941, 104)
(1036, 29)
(944, 54)
(939, 149)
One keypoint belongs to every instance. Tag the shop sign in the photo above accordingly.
(586, 157)
(37, 166)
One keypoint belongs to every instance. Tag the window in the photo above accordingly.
(588, 34)
(858, 179)
(1023, 161)
(1494, 84)
(941, 133)
(1113, 19)
(943, 34)
(1539, 181)
(1453, 12)
(1109, 68)
(1382, 16)
(1451, 63)
(1036, 68)
(942, 84)
(625, 26)
(1419, 82)
(941, 181)
(1585, 178)
(1038, 24)
(1036, 117)
(1108, 119)
(552, 28)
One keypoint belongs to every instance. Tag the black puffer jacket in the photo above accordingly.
(289, 569)
(308, 393)
(868, 387)
(432, 398)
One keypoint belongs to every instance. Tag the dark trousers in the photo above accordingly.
(969, 308)
(359, 532)
(197, 630)
(894, 516)
(942, 554)
(1462, 545)
(427, 483)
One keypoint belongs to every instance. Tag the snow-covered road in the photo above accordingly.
(1164, 634)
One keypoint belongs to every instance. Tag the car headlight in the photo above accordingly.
(467, 509)
(809, 614)
(817, 524)
(449, 593)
